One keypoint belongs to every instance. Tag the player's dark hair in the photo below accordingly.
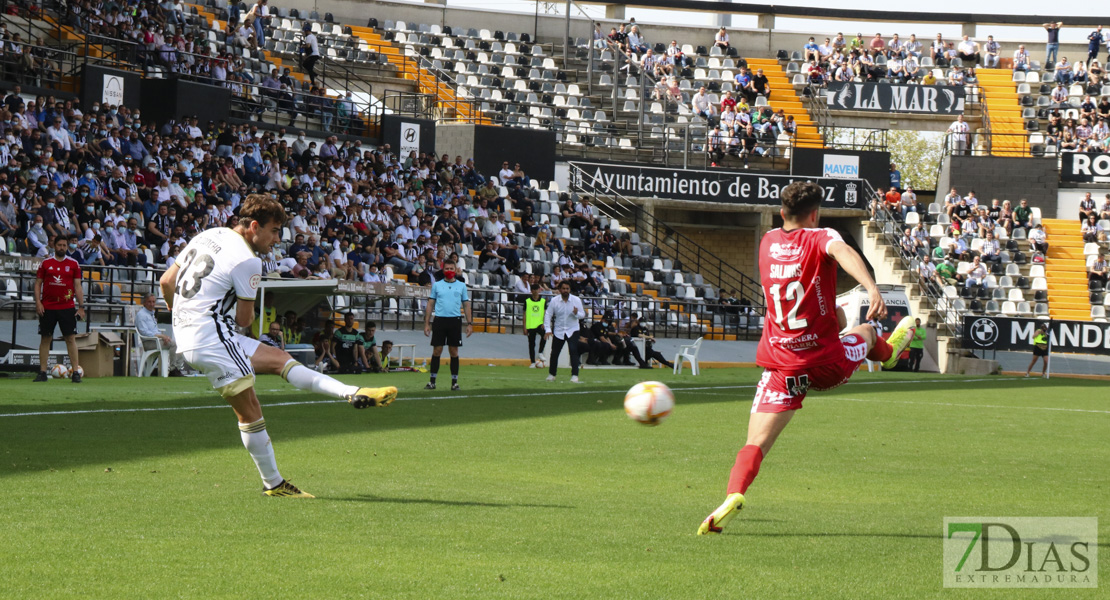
(371, 325)
(449, 261)
(801, 198)
(535, 287)
(262, 208)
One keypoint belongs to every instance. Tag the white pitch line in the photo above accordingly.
(562, 392)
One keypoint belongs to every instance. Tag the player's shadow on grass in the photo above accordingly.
(383, 499)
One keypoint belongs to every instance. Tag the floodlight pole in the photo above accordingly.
(567, 35)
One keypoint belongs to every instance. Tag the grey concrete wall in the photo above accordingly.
(455, 139)
(1036, 179)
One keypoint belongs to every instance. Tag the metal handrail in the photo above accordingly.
(950, 318)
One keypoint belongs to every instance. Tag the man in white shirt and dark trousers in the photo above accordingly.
(561, 323)
(311, 50)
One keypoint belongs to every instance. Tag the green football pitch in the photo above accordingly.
(516, 488)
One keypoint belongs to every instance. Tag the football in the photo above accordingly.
(59, 371)
(649, 402)
(80, 371)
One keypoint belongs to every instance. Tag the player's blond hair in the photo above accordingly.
(262, 208)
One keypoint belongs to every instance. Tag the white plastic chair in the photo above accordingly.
(149, 357)
(689, 352)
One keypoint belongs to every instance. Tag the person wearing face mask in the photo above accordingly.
(59, 302)
(9, 222)
(448, 302)
(38, 238)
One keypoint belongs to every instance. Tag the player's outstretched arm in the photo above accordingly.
(853, 264)
(167, 282)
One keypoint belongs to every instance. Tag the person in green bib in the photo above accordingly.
(917, 346)
(1040, 350)
(534, 308)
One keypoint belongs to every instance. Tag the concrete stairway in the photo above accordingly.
(1066, 271)
(783, 96)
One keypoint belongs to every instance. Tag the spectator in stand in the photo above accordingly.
(895, 176)
(760, 85)
(976, 273)
(991, 53)
(1097, 270)
(816, 74)
(959, 135)
(636, 42)
(810, 51)
(968, 51)
(720, 40)
(1063, 71)
(1060, 95)
(1021, 59)
(877, 46)
(1094, 43)
(702, 105)
(1038, 240)
(909, 202)
(911, 69)
(1092, 231)
(1052, 47)
(1087, 208)
(1104, 210)
(990, 251)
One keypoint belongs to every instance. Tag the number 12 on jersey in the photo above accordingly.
(794, 292)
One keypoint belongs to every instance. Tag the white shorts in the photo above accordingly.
(226, 364)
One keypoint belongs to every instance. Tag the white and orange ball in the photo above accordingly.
(649, 402)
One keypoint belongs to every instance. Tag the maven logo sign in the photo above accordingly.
(841, 167)
(1021, 552)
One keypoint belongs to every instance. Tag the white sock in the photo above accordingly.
(304, 378)
(258, 444)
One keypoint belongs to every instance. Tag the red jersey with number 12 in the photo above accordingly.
(799, 289)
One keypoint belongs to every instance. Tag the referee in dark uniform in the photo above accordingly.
(57, 286)
(448, 301)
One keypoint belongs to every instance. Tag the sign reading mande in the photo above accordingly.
(727, 187)
(898, 98)
(1004, 333)
(1084, 167)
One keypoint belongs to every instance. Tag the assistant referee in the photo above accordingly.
(448, 302)
(57, 285)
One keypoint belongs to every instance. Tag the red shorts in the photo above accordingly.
(783, 390)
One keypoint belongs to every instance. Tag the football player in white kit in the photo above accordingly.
(217, 271)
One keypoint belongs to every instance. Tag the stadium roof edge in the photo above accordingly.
(852, 14)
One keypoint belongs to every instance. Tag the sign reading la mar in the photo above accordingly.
(897, 98)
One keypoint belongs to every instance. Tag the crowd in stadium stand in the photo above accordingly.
(162, 35)
(897, 59)
(114, 183)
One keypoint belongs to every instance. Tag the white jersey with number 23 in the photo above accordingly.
(216, 269)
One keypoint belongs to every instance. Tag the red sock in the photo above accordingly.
(745, 469)
(881, 351)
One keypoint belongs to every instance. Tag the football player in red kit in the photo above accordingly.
(801, 348)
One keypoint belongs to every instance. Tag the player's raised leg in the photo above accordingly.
(274, 361)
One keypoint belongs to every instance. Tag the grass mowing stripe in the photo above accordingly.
(1052, 408)
(451, 397)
